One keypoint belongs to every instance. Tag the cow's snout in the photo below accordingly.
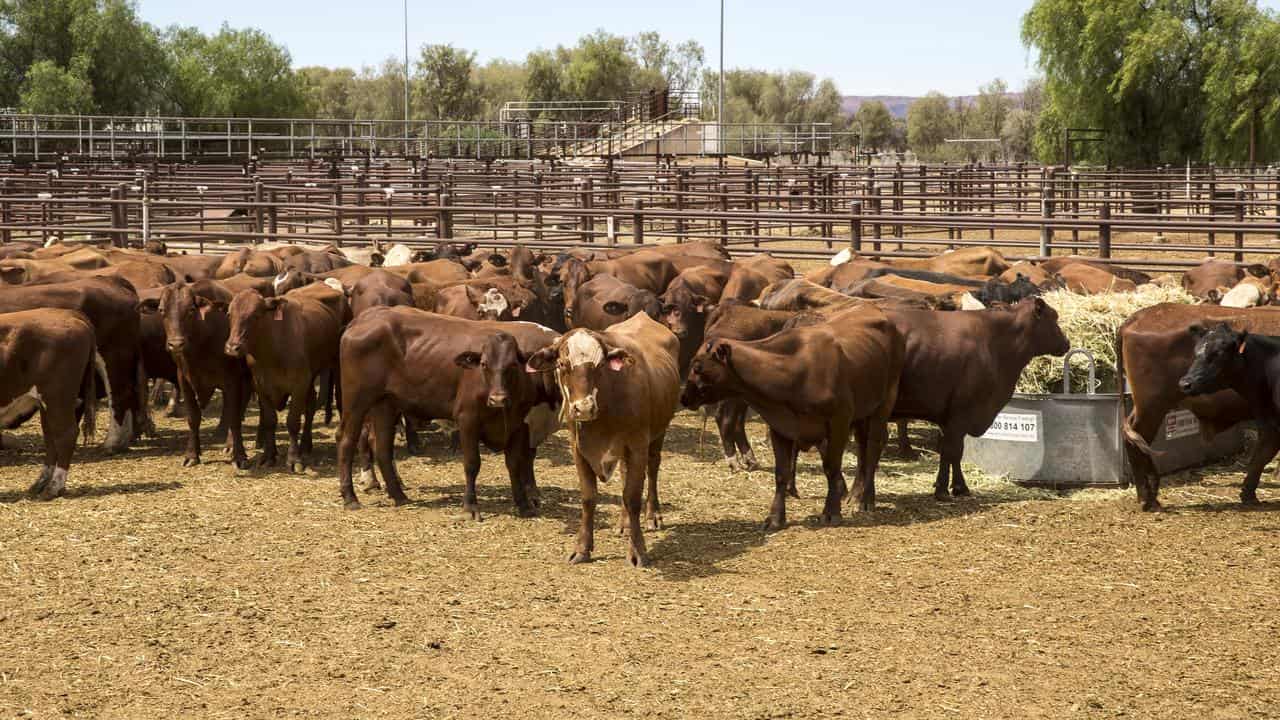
(1185, 386)
(585, 409)
(499, 400)
(176, 345)
(234, 349)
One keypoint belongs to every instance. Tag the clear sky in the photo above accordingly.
(900, 47)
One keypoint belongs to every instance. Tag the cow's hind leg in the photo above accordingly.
(384, 441)
(905, 451)
(1266, 449)
(652, 508)
(233, 402)
(368, 478)
(1145, 476)
(268, 453)
(293, 423)
(784, 470)
(58, 424)
(632, 499)
(469, 442)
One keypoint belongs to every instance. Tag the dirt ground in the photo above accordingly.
(156, 592)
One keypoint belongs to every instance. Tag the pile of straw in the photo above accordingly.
(1092, 322)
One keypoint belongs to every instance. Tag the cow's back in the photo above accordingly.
(654, 381)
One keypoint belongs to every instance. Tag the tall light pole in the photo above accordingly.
(406, 77)
(720, 102)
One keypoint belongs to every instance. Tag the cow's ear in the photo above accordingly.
(1196, 331)
(618, 359)
(203, 302)
(1241, 338)
(542, 360)
(12, 275)
(497, 260)
(467, 360)
(148, 306)
(1214, 296)
(700, 304)
(474, 295)
(376, 259)
(515, 310)
(272, 303)
(613, 307)
(1258, 270)
(722, 352)
(1040, 305)
(467, 248)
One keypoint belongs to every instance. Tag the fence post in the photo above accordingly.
(898, 185)
(828, 204)
(1046, 212)
(724, 208)
(361, 184)
(337, 212)
(444, 228)
(1239, 217)
(5, 234)
(273, 215)
(875, 210)
(588, 201)
(755, 206)
(680, 190)
(637, 223)
(1104, 230)
(120, 219)
(259, 224)
(537, 203)
(855, 226)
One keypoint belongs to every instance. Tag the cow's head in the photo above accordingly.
(583, 361)
(573, 275)
(1040, 325)
(12, 274)
(710, 375)
(639, 301)
(490, 304)
(247, 308)
(1219, 355)
(1018, 290)
(682, 310)
(290, 279)
(181, 311)
(501, 365)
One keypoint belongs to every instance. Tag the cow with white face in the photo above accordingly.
(620, 389)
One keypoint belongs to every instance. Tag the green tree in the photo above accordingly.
(875, 123)
(328, 91)
(499, 82)
(599, 68)
(678, 67)
(544, 75)
(1242, 89)
(991, 108)
(101, 42)
(1135, 69)
(756, 96)
(929, 122)
(235, 73)
(1018, 135)
(50, 89)
(378, 92)
(443, 87)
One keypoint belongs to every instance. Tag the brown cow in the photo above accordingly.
(966, 262)
(750, 276)
(197, 327)
(473, 303)
(1056, 265)
(1156, 350)
(111, 306)
(620, 388)
(1085, 279)
(1211, 276)
(402, 360)
(686, 302)
(961, 369)
(814, 386)
(287, 341)
(48, 361)
(603, 300)
(1037, 275)
(249, 262)
(440, 272)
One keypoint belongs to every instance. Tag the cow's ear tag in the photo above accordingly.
(279, 312)
(1241, 349)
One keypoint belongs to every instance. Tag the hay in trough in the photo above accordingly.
(1092, 322)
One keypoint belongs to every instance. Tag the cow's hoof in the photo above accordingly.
(1152, 506)
(829, 519)
(866, 505)
(526, 511)
(637, 558)
(793, 491)
(399, 500)
(353, 505)
(262, 460)
(653, 522)
(297, 467)
(190, 461)
(961, 491)
(240, 463)
(941, 496)
(471, 512)
(580, 556)
(1248, 498)
(774, 523)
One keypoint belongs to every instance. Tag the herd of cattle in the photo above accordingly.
(507, 347)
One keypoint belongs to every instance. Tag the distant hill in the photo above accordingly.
(898, 104)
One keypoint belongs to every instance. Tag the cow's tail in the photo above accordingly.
(1126, 428)
(147, 426)
(89, 393)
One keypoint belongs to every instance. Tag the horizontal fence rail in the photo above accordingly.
(44, 137)
(1156, 219)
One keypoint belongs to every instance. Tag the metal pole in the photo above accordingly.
(406, 77)
(720, 102)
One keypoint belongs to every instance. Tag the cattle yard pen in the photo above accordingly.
(1156, 219)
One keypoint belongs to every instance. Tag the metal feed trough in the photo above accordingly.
(1075, 439)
